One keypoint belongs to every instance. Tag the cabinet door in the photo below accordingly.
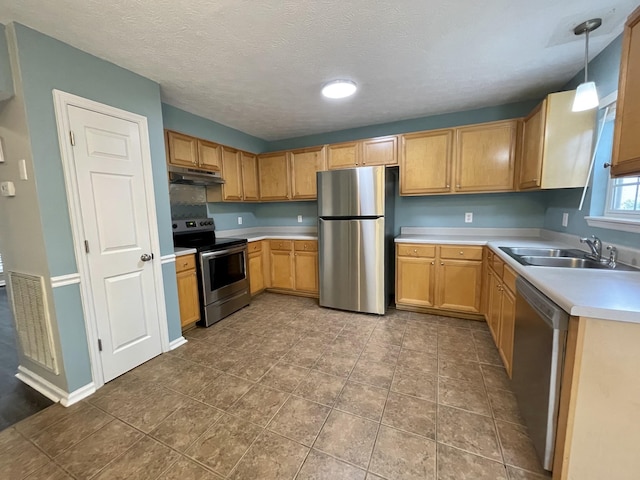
(380, 151)
(626, 143)
(485, 157)
(209, 155)
(188, 299)
(256, 273)
(183, 150)
(459, 284)
(415, 281)
(273, 171)
(425, 162)
(495, 305)
(232, 174)
(507, 326)
(249, 163)
(532, 148)
(343, 155)
(304, 165)
(306, 271)
(282, 269)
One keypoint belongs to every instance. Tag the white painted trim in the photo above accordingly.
(170, 258)
(64, 280)
(612, 223)
(51, 391)
(62, 101)
(178, 342)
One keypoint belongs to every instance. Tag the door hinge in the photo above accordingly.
(72, 137)
(86, 246)
(99, 345)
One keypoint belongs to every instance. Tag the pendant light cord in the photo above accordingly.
(586, 56)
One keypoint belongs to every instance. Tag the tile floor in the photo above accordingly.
(284, 389)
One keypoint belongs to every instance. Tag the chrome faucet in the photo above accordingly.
(595, 245)
(613, 256)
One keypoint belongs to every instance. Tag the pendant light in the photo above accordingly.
(586, 95)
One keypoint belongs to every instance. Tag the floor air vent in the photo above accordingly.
(33, 324)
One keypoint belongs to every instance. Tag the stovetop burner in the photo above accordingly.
(199, 233)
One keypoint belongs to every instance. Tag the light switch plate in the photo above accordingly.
(239, 220)
(299, 218)
(468, 217)
(565, 219)
(7, 189)
(22, 167)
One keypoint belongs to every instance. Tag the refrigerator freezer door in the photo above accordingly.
(353, 192)
(352, 275)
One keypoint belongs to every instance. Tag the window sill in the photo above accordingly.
(612, 223)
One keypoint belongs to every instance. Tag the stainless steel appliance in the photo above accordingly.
(538, 359)
(193, 176)
(222, 268)
(355, 235)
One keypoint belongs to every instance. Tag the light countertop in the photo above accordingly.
(179, 251)
(594, 293)
(253, 234)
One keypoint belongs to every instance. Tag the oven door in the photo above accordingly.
(224, 273)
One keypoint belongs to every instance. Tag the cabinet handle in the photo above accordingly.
(433, 263)
(458, 186)
(461, 252)
(606, 165)
(448, 186)
(441, 263)
(534, 180)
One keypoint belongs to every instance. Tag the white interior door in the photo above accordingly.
(115, 217)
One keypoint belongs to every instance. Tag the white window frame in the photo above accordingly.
(622, 214)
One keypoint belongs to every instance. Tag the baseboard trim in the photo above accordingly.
(52, 392)
(178, 342)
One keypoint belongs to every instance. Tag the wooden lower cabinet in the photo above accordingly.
(256, 268)
(428, 277)
(294, 266)
(188, 299)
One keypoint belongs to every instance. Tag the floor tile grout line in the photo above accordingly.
(395, 368)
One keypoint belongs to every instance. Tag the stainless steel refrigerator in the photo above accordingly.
(355, 235)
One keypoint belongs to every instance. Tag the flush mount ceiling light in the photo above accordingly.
(339, 89)
(586, 94)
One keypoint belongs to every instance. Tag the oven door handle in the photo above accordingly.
(220, 253)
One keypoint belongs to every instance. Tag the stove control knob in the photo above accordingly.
(175, 225)
(201, 223)
(210, 222)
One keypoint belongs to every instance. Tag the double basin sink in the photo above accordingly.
(558, 257)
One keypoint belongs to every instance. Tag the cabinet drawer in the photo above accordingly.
(509, 278)
(305, 245)
(461, 252)
(185, 262)
(254, 247)
(498, 265)
(409, 250)
(281, 244)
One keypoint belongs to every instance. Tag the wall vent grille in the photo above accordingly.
(28, 296)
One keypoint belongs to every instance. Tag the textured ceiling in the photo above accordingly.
(258, 65)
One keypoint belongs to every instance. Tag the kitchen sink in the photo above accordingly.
(557, 257)
(543, 252)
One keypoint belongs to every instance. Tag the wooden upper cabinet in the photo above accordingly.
(532, 144)
(250, 183)
(232, 174)
(556, 144)
(209, 155)
(626, 142)
(183, 149)
(305, 164)
(343, 155)
(425, 162)
(273, 171)
(485, 157)
(380, 151)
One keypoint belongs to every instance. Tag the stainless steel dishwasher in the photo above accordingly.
(538, 357)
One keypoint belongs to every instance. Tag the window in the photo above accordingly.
(623, 199)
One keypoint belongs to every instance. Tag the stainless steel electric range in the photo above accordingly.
(222, 268)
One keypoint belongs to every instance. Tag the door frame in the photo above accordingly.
(62, 100)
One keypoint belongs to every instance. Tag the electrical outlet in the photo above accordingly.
(239, 220)
(299, 218)
(468, 217)
(22, 167)
(565, 219)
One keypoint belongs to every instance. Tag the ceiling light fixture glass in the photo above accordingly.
(339, 89)
(586, 95)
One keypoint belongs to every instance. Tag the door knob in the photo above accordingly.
(145, 257)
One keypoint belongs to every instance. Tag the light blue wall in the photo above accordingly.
(190, 124)
(604, 70)
(6, 80)
(488, 114)
(48, 64)
(226, 215)
(286, 214)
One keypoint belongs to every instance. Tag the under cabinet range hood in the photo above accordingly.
(193, 176)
